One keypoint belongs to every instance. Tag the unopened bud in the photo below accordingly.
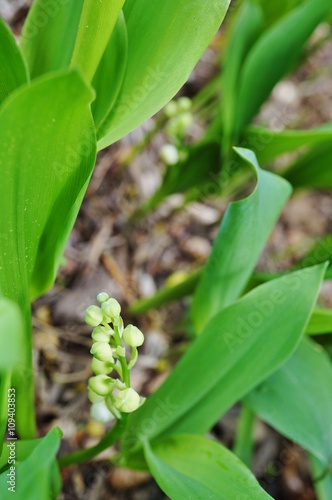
(102, 334)
(169, 154)
(184, 104)
(171, 109)
(102, 297)
(100, 367)
(93, 316)
(102, 351)
(101, 413)
(133, 336)
(127, 400)
(185, 120)
(93, 397)
(102, 385)
(111, 308)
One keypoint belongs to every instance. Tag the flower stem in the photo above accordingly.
(111, 437)
(123, 362)
(243, 447)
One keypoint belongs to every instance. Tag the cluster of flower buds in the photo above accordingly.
(180, 117)
(179, 120)
(111, 396)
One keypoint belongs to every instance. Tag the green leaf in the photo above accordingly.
(163, 48)
(96, 24)
(11, 327)
(188, 466)
(245, 31)
(110, 73)
(274, 55)
(296, 400)
(322, 479)
(312, 169)
(35, 473)
(5, 378)
(242, 236)
(225, 362)
(274, 10)
(38, 216)
(41, 211)
(320, 322)
(49, 33)
(13, 71)
(15, 366)
(268, 144)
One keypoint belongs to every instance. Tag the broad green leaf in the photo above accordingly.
(11, 335)
(297, 400)
(185, 284)
(5, 378)
(38, 216)
(13, 72)
(320, 322)
(245, 31)
(312, 169)
(242, 236)
(273, 56)
(274, 10)
(109, 76)
(189, 466)
(322, 479)
(49, 33)
(15, 365)
(268, 144)
(24, 448)
(225, 362)
(163, 48)
(96, 24)
(40, 212)
(34, 475)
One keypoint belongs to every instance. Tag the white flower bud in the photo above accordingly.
(100, 368)
(102, 334)
(127, 400)
(93, 316)
(185, 120)
(102, 297)
(111, 308)
(171, 109)
(102, 385)
(133, 336)
(101, 413)
(184, 104)
(93, 397)
(102, 351)
(169, 154)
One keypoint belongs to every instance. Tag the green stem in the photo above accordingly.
(123, 361)
(243, 446)
(83, 455)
